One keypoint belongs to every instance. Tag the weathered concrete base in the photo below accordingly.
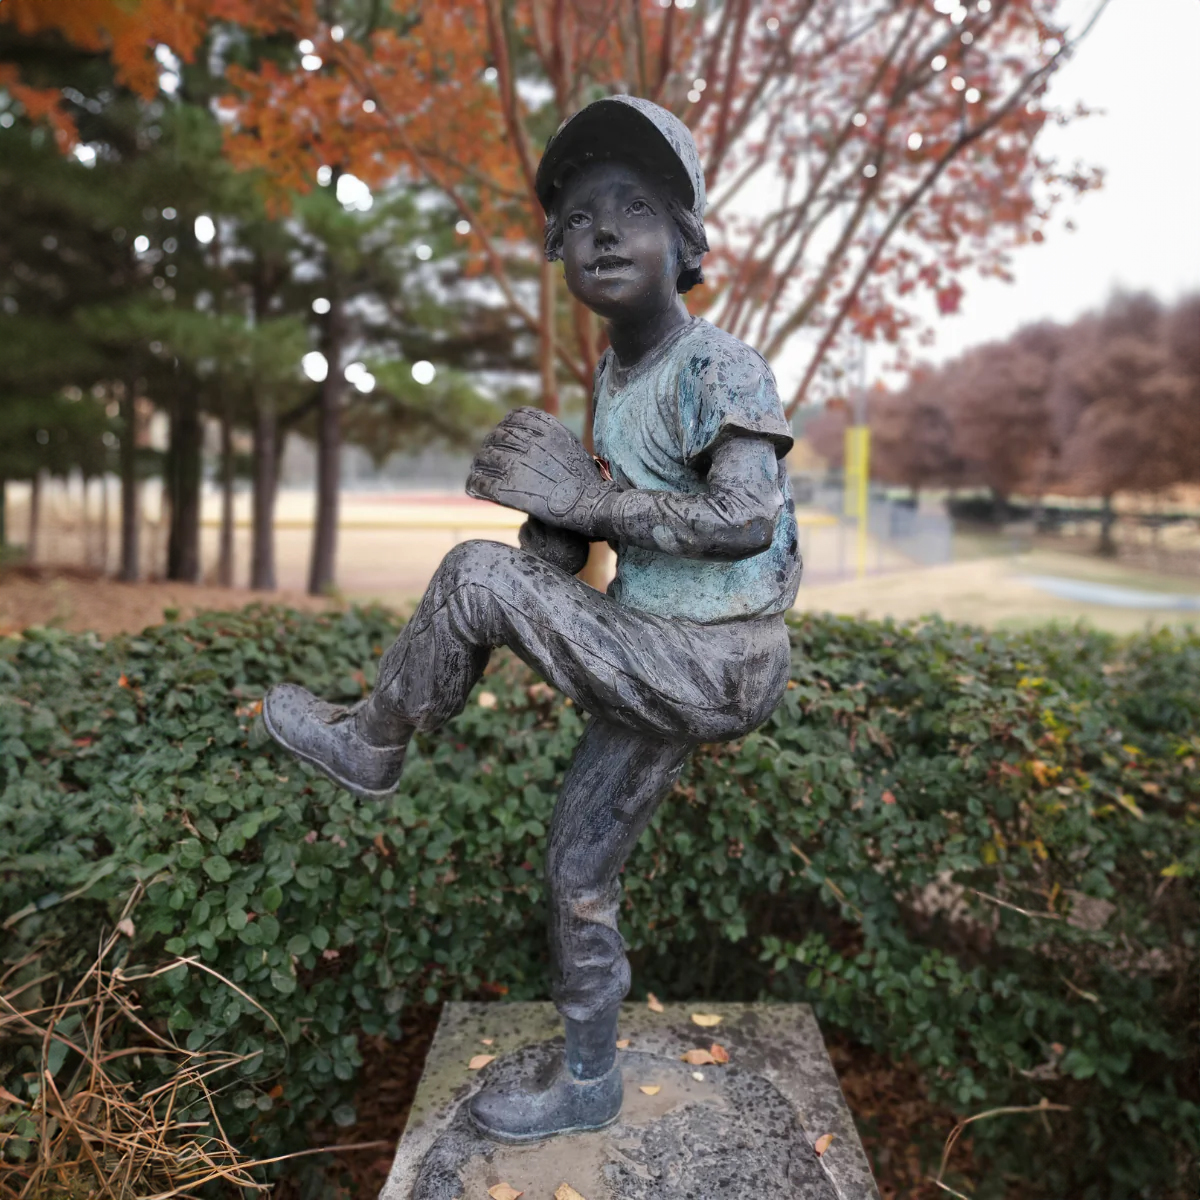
(742, 1130)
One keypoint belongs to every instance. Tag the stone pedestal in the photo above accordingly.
(746, 1129)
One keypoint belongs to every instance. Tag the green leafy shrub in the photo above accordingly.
(977, 851)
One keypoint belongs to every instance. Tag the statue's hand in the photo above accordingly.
(532, 462)
(559, 547)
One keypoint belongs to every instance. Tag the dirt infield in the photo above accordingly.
(994, 592)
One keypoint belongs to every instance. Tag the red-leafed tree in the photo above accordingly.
(1108, 404)
(1127, 411)
(858, 152)
(825, 431)
(912, 437)
(998, 397)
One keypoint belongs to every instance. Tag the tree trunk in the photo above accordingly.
(85, 523)
(1107, 545)
(586, 335)
(130, 508)
(3, 517)
(262, 533)
(546, 338)
(225, 554)
(321, 572)
(999, 507)
(183, 482)
(1039, 512)
(35, 517)
(104, 530)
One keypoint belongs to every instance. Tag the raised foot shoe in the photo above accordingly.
(330, 738)
(567, 1105)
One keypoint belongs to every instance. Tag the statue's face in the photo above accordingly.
(620, 245)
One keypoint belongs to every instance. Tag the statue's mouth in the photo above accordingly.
(608, 264)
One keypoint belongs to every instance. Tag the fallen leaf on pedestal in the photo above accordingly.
(719, 1053)
(706, 1020)
(650, 1089)
(622, 1043)
(823, 1143)
(653, 1003)
(503, 1192)
(566, 1192)
(480, 1061)
(698, 1058)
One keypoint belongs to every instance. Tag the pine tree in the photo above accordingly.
(111, 289)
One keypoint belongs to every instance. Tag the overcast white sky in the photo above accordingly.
(1141, 65)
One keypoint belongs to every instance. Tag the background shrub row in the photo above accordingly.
(977, 851)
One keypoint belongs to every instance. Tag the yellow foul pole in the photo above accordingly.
(856, 498)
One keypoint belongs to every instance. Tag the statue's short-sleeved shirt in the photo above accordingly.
(658, 424)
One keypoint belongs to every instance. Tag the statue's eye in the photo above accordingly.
(638, 207)
(577, 220)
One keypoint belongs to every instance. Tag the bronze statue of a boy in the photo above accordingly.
(689, 643)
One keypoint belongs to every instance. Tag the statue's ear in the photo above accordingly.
(689, 255)
(552, 238)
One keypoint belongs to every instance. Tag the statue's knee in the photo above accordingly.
(474, 560)
(581, 888)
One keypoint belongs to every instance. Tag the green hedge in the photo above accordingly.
(977, 851)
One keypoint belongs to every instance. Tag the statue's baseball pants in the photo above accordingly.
(655, 687)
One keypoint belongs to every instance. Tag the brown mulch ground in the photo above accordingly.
(386, 1086)
(79, 601)
(902, 1131)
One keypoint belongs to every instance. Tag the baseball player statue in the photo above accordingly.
(687, 646)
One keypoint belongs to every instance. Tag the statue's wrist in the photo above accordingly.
(597, 511)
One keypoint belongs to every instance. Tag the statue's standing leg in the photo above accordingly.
(609, 794)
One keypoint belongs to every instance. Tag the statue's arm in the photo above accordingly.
(533, 463)
(735, 518)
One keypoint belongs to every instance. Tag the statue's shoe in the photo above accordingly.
(568, 1105)
(328, 736)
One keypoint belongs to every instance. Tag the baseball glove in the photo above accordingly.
(532, 462)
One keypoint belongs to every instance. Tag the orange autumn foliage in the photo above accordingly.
(127, 33)
(827, 216)
(859, 157)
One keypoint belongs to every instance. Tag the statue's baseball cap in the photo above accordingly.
(628, 129)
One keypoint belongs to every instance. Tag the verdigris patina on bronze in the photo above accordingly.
(689, 643)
